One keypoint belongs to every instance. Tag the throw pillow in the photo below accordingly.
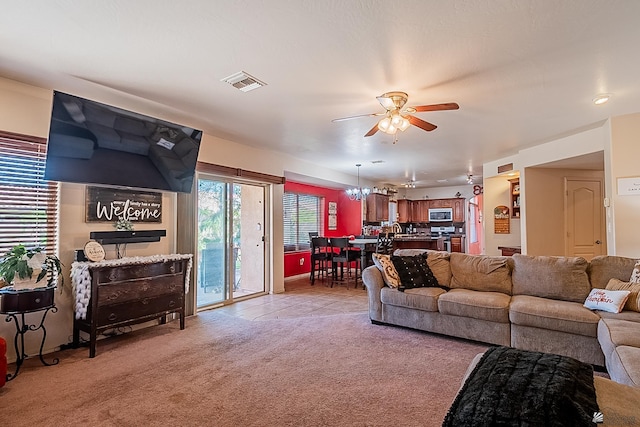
(389, 273)
(635, 275)
(439, 264)
(414, 272)
(602, 299)
(633, 302)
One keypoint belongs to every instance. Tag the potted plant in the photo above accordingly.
(18, 266)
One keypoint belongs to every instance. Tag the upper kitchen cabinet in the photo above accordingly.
(458, 210)
(377, 208)
(405, 208)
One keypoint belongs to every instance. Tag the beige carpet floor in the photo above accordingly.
(337, 370)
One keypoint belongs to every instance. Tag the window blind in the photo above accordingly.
(302, 215)
(28, 203)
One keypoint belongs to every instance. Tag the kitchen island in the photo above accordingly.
(418, 242)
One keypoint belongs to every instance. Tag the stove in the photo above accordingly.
(442, 231)
(445, 232)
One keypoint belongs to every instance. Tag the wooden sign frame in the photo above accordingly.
(501, 220)
(105, 204)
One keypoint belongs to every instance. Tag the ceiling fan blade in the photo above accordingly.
(437, 107)
(373, 130)
(421, 123)
(341, 119)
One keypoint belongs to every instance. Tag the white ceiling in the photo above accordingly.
(522, 71)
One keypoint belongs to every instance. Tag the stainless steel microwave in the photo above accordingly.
(441, 215)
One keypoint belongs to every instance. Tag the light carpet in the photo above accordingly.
(336, 370)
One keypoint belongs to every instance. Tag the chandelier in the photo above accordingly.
(469, 179)
(410, 184)
(358, 192)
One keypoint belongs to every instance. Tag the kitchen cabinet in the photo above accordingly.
(405, 213)
(377, 206)
(514, 187)
(458, 210)
(457, 244)
(421, 211)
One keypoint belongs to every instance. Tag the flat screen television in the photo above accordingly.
(94, 143)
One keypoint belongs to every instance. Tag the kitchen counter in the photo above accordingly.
(418, 241)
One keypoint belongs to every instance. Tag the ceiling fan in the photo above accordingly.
(396, 118)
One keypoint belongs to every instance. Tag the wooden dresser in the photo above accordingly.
(129, 293)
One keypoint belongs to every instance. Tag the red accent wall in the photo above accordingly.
(348, 216)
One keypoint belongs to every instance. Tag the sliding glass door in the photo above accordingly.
(231, 241)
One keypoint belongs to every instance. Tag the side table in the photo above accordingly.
(15, 304)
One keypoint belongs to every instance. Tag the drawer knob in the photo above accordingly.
(172, 304)
(38, 300)
(113, 316)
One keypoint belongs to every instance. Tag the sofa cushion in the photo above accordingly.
(559, 278)
(389, 273)
(439, 264)
(614, 332)
(480, 273)
(633, 302)
(606, 300)
(425, 299)
(413, 271)
(555, 315)
(624, 365)
(631, 316)
(490, 306)
(604, 267)
(635, 274)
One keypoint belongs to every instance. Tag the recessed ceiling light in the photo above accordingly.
(601, 98)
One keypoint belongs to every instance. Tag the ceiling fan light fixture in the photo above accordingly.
(404, 124)
(386, 126)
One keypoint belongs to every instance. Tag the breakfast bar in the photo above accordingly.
(418, 242)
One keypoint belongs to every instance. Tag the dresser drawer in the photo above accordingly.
(118, 313)
(135, 271)
(135, 289)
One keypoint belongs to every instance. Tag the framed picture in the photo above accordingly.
(333, 222)
(333, 208)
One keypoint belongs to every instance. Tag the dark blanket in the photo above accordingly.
(511, 387)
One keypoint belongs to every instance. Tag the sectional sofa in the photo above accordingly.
(527, 302)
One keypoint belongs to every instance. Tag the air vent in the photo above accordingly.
(243, 81)
(375, 162)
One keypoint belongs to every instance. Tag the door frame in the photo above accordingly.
(603, 230)
(267, 195)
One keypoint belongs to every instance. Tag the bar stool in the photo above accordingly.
(344, 256)
(320, 257)
(384, 244)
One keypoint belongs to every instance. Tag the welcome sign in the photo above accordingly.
(111, 205)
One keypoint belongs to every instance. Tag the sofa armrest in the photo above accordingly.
(372, 279)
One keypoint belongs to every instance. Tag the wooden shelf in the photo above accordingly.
(515, 197)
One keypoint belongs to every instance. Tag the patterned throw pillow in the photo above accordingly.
(414, 271)
(635, 275)
(389, 273)
(633, 302)
(602, 299)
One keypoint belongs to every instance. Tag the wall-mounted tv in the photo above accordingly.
(93, 143)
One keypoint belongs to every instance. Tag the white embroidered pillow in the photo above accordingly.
(388, 270)
(635, 275)
(602, 299)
